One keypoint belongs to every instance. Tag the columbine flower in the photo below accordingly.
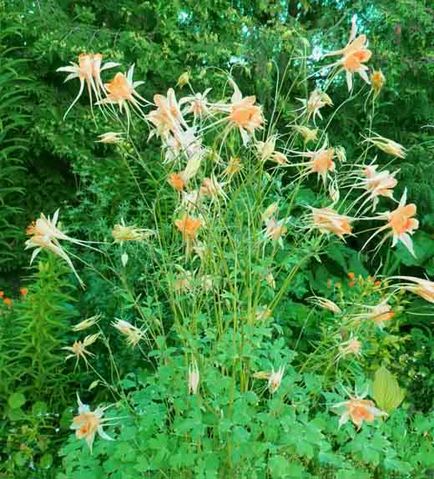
(189, 227)
(379, 183)
(358, 410)
(321, 161)
(244, 114)
(266, 151)
(44, 234)
(275, 379)
(326, 304)
(177, 181)
(388, 146)
(381, 313)
(88, 71)
(275, 230)
(167, 117)
(354, 55)
(422, 287)
(122, 233)
(350, 347)
(132, 333)
(211, 188)
(86, 323)
(197, 104)
(317, 100)
(328, 220)
(78, 349)
(121, 91)
(89, 423)
(308, 134)
(377, 81)
(110, 137)
(193, 378)
(401, 223)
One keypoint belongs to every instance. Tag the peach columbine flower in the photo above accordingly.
(275, 379)
(197, 104)
(132, 333)
(233, 167)
(381, 313)
(317, 100)
(121, 91)
(321, 161)
(266, 151)
(167, 117)
(193, 378)
(275, 230)
(378, 183)
(388, 146)
(212, 189)
(244, 114)
(422, 287)
(88, 423)
(189, 227)
(88, 71)
(354, 55)
(327, 220)
(358, 410)
(44, 234)
(78, 349)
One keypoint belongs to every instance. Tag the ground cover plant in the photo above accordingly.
(238, 289)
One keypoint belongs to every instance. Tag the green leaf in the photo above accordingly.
(386, 391)
(16, 400)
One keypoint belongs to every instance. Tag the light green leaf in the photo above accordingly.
(386, 391)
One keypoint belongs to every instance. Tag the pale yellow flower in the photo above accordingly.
(110, 137)
(78, 349)
(388, 146)
(193, 378)
(422, 287)
(122, 233)
(86, 323)
(308, 134)
(326, 304)
(317, 100)
(132, 333)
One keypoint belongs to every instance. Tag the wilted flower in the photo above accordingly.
(183, 79)
(122, 233)
(422, 287)
(357, 410)
(377, 81)
(354, 55)
(308, 134)
(328, 220)
(88, 71)
(132, 333)
(388, 146)
(275, 379)
(211, 188)
(233, 167)
(326, 304)
(86, 323)
(110, 137)
(317, 100)
(381, 313)
(275, 230)
(78, 349)
(193, 378)
(89, 423)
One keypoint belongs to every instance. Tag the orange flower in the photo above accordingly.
(328, 220)
(358, 410)
(188, 226)
(7, 301)
(2, 293)
(177, 181)
(24, 291)
(322, 162)
(381, 313)
(354, 55)
(402, 223)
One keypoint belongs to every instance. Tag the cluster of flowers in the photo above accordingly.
(182, 144)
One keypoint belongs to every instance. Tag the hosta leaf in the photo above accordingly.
(386, 391)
